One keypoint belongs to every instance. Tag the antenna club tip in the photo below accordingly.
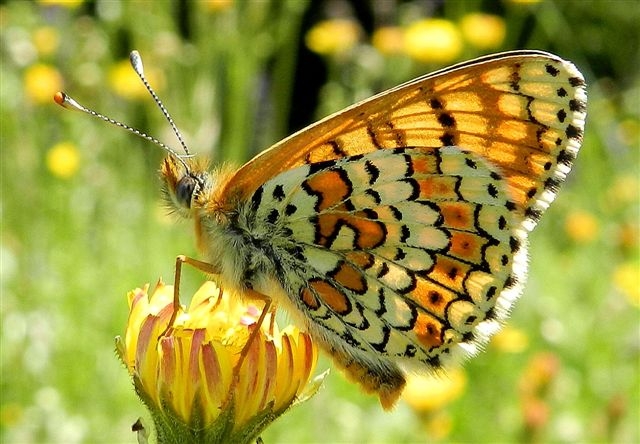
(136, 62)
(60, 98)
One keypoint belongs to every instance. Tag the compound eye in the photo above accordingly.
(185, 189)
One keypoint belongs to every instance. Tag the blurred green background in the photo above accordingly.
(82, 222)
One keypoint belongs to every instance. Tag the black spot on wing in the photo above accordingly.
(372, 171)
(552, 70)
(386, 334)
(273, 216)
(448, 139)
(397, 214)
(256, 199)
(278, 193)
(533, 213)
(577, 105)
(400, 254)
(562, 115)
(502, 223)
(381, 302)
(374, 195)
(446, 120)
(565, 157)
(405, 232)
(552, 184)
(470, 163)
(492, 190)
(290, 209)
(576, 81)
(573, 132)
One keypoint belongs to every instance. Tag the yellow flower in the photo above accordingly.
(433, 40)
(623, 193)
(388, 40)
(438, 425)
(581, 226)
(331, 37)
(66, 3)
(628, 132)
(188, 376)
(484, 31)
(510, 340)
(46, 40)
(432, 392)
(63, 160)
(216, 5)
(41, 81)
(627, 279)
(125, 82)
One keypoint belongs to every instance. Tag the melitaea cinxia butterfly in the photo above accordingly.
(395, 230)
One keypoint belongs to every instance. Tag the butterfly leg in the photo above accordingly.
(254, 295)
(200, 265)
(249, 293)
(267, 308)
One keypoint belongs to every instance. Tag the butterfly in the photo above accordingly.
(395, 231)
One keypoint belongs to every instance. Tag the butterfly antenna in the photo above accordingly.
(136, 63)
(66, 101)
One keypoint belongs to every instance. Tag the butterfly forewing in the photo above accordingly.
(523, 111)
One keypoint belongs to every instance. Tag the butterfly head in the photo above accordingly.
(186, 182)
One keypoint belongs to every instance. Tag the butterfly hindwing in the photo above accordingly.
(406, 254)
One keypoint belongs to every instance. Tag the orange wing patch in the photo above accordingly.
(428, 330)
(331, 187)
(331, 296)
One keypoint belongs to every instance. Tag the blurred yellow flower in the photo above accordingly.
(332, 37)
(188, 376)
(65, 3)
(41, 81)
(581, 226)
(628, 132)
(438, 425)
(433, 392)
(627, 279)
(63, 160)
(629, 235)
(216, 5)
(125, 82)
(11, 413)
(483, 31)
(525, 1)
(433, 40)
(624, 191)
(46, 40)
(510, 340)
(388, 40)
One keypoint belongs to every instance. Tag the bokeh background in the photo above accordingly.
(82, 222)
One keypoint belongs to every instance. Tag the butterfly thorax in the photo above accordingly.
(226, 232)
